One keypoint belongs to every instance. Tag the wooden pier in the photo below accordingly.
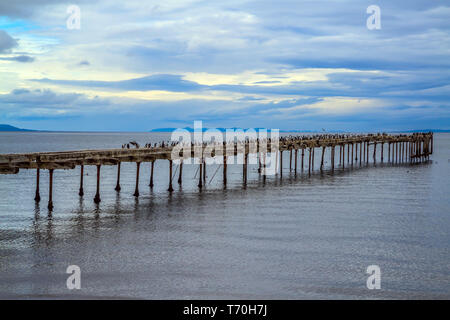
(353, 150)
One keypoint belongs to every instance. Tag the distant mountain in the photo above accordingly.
(189, 129)
(7, 127)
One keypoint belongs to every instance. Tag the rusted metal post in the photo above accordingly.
(81, 191)
(37, 196)
(97, 194)
(151, 174)
(50, 190)
(117, 188)
(170, 189)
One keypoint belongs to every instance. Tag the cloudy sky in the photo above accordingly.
(138, 65)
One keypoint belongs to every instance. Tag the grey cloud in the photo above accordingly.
(22, 58)
(6, 42)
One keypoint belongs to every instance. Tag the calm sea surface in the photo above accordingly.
(299, 238)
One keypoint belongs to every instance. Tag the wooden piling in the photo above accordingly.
(37, 196)
(200, 178)
(50, 190)
(81, 191)
(180, 174)
(303, 157)
(290, 160)
(321, 161)
(382, 151)
(281, 164)
(332, 158)
(118, 188)
(296, 155)
(309, 164)
(374, 152)
(170, 189)
(136, 189)
(352, 154)
(97, 194)
(151, 174)
(224, 169)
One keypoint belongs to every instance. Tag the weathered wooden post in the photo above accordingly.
(281, 164)
(360, 153)
(332, 158)
(348, 152)
(117, 188)
(432, 138)
(180, 175)
(37, 196)
(309, 164)
(200, 177)
(389, 151)
(290, 160)
(296, 155)
(224, 169)
(303, 157)
(343, 156)
(136, 189)
(367, 150)
(81, 191)
(321, 161)
(170, 189)
(50, 190)
(352, 154)
(382, 151)
(313, 158)
(375, 152)
(97, 194)
(244, 168)
(264, 167)
(356, 152)
(151, 174)
(204, 172)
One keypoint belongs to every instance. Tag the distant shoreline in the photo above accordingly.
(9, 128)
